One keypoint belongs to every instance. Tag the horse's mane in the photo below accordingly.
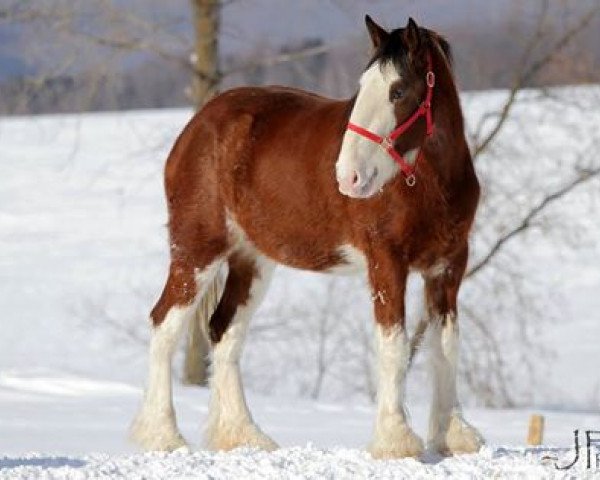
(395, 50)
(444, 45)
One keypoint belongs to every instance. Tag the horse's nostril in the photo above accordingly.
(355, 179)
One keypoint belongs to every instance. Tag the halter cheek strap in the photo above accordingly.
(387, 142)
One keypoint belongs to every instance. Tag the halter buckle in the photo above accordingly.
(411, 180)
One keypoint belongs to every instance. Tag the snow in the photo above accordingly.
(83, 252)
(68, 418)
(288, 463)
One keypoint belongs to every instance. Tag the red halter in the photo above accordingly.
(387, 142)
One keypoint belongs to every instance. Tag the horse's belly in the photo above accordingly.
(298, 250)
(339, 260)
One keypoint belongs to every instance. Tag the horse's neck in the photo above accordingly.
(450, 153)
(347, 107)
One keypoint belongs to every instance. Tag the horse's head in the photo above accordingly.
(394, 87)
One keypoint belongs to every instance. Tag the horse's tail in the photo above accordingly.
(208, 304)
(417, 339)
(198, 342)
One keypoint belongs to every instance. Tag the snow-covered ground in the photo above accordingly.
(71, 419)
(83, 256)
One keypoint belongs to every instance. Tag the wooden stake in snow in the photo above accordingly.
(536, 430)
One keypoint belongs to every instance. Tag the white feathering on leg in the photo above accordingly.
(448, 431)
(155, 427)
(393, 437)
(230, 423)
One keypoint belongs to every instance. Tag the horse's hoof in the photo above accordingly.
(459, 438)
(157, 433)
(401, 442)
(249, 435)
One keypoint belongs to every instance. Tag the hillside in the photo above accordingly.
(83, 255)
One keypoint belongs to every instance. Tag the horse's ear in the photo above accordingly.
(378, 34)
(412, 35)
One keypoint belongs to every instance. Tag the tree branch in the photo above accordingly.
(281, 58)
(524, 76)
(134, 44)
(525, 223)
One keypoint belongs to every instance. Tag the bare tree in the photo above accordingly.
(205, 59)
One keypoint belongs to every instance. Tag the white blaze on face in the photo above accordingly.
(363, 167)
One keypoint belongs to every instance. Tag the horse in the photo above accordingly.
(381, 183)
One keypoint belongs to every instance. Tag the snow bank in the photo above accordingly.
(288, 463)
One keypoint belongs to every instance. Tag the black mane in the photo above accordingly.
(394, 50)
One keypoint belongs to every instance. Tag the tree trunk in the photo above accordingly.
(205, 60)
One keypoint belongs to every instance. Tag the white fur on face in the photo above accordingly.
(373, 111)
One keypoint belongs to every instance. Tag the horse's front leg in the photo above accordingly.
(393, 437)
(448, 431)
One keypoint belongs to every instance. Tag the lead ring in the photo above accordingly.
(430, 79)
(411, 180)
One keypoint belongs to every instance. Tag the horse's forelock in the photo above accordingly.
(395, 50)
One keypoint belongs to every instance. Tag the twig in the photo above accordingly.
(526, 221)
(524, 76)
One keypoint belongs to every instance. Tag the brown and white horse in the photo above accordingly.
(382, 183)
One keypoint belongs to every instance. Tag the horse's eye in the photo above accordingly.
(396, 94)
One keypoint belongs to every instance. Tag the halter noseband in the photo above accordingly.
(387, 142)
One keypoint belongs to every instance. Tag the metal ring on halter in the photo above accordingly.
(411, 180)
(430, 79)
(386, 143)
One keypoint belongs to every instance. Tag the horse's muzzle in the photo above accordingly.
(358, 184)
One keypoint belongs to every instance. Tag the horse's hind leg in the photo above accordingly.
(155, 427)
(230, 423)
